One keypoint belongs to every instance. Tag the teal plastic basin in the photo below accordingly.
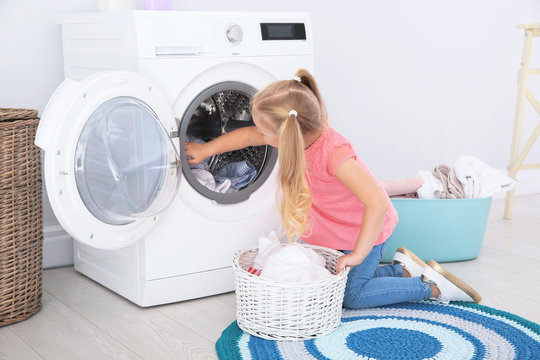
(442, 229)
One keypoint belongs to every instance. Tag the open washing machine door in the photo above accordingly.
(110, 164)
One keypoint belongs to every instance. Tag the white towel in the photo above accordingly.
(480, 180)
(431, 186)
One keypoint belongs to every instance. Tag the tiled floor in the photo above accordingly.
(82, 320)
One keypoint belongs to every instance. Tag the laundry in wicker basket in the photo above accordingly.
(289, 262)
(288, 310)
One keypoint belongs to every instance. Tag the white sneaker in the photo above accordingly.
(451, 288)
(409, 261)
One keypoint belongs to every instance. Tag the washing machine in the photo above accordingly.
(137, 85)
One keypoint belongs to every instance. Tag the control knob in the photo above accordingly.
(234, 34)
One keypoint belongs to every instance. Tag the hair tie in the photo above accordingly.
(293, 112)
(297, 78)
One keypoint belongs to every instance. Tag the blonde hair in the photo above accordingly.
(275, 102)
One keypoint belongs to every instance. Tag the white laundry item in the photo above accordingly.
(289, 262)
(267, 245)
(293, 263)
(467, 176)
(480, 180)
(431, 186)
(224, 186)
(207, 179)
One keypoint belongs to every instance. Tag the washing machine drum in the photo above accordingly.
(232, 176)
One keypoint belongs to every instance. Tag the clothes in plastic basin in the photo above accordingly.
(443, 229)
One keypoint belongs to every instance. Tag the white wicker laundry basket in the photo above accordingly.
(280, 310)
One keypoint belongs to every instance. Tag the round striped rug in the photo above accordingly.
(416, 330)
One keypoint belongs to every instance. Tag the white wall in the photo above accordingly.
(413, 84)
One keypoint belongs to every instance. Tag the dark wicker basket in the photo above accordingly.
(21, 219)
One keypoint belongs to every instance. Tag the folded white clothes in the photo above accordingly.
(431, 186)
(480, 180)
(289, 262)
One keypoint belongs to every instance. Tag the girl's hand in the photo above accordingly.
(195, 152)
(351, 259)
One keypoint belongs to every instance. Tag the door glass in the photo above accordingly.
(125, 163)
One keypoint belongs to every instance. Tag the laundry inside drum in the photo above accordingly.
(215, 114)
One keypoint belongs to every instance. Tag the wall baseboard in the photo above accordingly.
(57, 247)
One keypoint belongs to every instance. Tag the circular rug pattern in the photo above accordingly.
(415, 330)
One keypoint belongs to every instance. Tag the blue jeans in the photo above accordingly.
(369, 284)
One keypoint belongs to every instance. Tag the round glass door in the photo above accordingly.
(233, 176)
(126, 165)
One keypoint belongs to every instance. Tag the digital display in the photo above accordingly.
(283, 31)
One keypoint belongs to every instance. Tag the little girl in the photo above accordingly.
(329, 197)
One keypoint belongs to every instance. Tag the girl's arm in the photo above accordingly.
(233, 140)
(352, 175)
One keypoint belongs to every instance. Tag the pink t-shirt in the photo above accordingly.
(336, 213)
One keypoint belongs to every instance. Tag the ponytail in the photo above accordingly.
(275, 104)
(309, 81)
(295, 195)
